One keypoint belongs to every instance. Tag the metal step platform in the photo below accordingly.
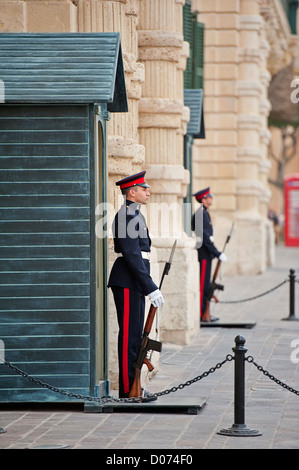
(222, 324)
(164, 404)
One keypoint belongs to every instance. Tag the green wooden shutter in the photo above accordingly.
(290, 7)
(188, 37)
(292, 16)
(198, 54)
(194, 34)
(45, 249)
(285, 4)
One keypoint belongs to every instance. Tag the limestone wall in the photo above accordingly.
(243, 41)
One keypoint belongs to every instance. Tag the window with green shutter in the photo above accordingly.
(193, 97)
(194, 34)
(188, 37)
(290, 7)
(198, 54)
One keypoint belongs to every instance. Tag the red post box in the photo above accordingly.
(291, 194)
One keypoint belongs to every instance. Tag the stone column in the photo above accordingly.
(265, 138)
(162, 117)
(250, 188)
(125, 155)
(215, 157)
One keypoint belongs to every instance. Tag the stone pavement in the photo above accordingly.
(269, 407)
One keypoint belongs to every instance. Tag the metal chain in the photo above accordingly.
(174, 389)
(65, 392)
(229, 357)
(272, 377)
(252, 298)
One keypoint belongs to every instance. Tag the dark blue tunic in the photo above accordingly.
(130, 281)
(206, 252)
(131, 237)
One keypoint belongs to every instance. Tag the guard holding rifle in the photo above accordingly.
(130, 278)
(206, 250)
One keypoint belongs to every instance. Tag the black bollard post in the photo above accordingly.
(292, 277)
(239, 427)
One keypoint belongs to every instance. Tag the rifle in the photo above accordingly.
(214, 285)
(148, 344)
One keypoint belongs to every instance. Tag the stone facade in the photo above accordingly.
(245, 42)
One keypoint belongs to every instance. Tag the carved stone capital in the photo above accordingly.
(135, 75)
(249, 122)
(120, 147)
(132, 7)
(249, 88)
(251, 23)
(160, 39)
(160, 45)
(265, 136)
(160, 112)
(249, 155)
(249, 54)
(167, 179)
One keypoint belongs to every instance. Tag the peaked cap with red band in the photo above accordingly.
(134, 180)
(203, 193)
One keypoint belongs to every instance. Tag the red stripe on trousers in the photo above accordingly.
(126, 339)
(202, 282)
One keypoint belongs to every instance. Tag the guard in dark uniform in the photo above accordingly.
(206, 250)
(130, 278)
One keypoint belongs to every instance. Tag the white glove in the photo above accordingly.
(223, 257)
(156, 298)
